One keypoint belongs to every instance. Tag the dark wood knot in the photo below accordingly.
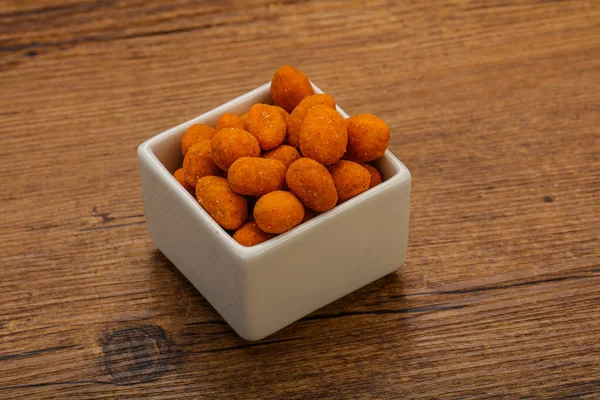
(136, 355)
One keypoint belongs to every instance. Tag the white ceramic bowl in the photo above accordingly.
(261, 289)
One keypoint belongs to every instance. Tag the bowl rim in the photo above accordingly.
(145, 152)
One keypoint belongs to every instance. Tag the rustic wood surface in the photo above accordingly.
(494, 107)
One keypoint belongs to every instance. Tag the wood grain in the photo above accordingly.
(494, 107)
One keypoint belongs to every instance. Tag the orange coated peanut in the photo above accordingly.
(312, 183)
(228, 209)
(179, 175)
(197, 163)
(250, 235)
(194, 134)
(284, 153)
(376, 178)
(323, 136)
(368, 137)
(267, 125)
(229, 120)
(350, 179)
(289, 86)
(297, 116)
(278, 212)
(284, 114)
(254, 176)
(229, 144)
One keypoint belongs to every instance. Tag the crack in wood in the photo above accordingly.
(34, 353)
(382, 312)
(244, 346)
(110, 38)
(96, 228)
(496, 287)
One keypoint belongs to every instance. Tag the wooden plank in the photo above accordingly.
(493, 107)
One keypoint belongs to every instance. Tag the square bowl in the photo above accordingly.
(261, 289)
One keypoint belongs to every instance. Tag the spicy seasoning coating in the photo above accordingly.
(229, 120)
(198, 163)
(297, 116)
(312, 183)
(267, 125)
(278, 212)
(350, 179)
(368, 137)
(229, 144)
(323, 136)
(227, 208)
(284, 153)
(254, 176)
(194, 134)
(289, 86)
(376, 178)
(250, 235)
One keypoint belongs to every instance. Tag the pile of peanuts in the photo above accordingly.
(286, 162)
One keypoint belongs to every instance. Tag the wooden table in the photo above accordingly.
(494, 107)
